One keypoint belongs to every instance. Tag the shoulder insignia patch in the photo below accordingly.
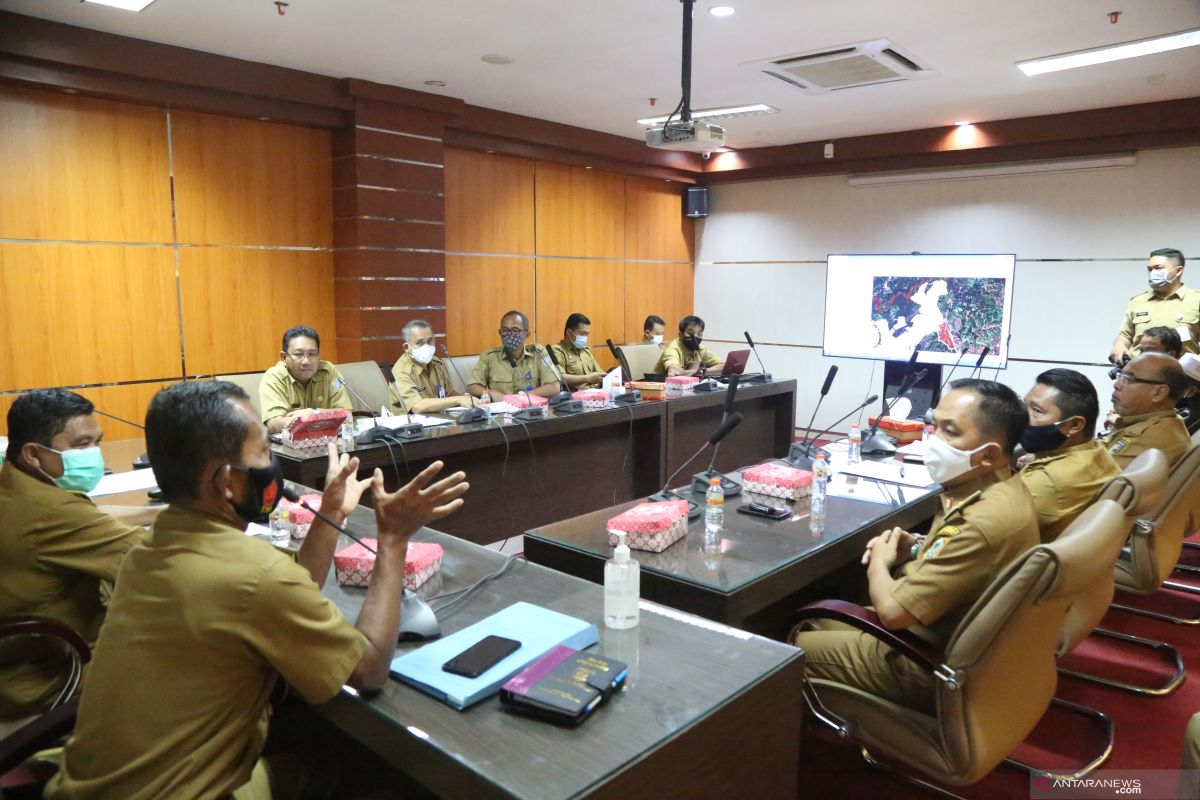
(1119, 445)
(948, 530)
(937, 546)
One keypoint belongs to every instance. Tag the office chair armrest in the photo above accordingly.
(907, 644)
(45, 626)
(43, 732)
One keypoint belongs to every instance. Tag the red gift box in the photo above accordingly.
(904, 430)
(681, 384)
(591, 398)
(525, 399)
(353, 565)
(300, 516)
(650, 526)
(777, 480)
(315, 429)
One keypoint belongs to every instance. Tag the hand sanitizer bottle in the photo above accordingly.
(621, 587)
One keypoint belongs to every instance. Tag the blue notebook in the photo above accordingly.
(538, 629)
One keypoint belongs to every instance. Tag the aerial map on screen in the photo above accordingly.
(940, 315)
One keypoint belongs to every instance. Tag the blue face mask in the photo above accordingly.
(82, 468)
(580, 342)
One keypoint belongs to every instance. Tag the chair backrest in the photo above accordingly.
(1003, 651)
(1140, 487)
(1157, 538)
(366, 378)
(465, 366)
(641, 359)
(249, 383)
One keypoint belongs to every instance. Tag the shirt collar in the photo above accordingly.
(954, 496)
(1125, 422)
(24, 484)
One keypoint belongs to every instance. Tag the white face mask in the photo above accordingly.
(1159, 277)
(422, 353)
(946, 462)
(657, 338)
(580, 342)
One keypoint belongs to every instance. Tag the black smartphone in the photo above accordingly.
(763, 510)
(481, 656)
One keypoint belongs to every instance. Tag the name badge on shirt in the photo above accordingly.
(441, 390)
(529, 376)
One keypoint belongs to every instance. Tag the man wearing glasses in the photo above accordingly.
(300, 382)
(1144, 396)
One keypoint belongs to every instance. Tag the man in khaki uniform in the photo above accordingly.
(686, 355)
(1068, 465)
(1168, 303)
(300, 382)
(513, 367)
(985, 520)
(579, 368)
(205, 619)
(1144, 397)
(420, 381)
(653, 329)
(56, 546)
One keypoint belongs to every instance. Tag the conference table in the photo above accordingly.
(753, 573)
(708, 711)
(524, 475)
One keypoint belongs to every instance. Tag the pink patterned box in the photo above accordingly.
(681, 384)
(353, 564)
(525, 399)
(300, 516)
(315, 429)
(591, 398)
(777, 480)
(651, 526)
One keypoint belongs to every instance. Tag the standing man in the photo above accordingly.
(420, 382)
(1069, 466)
(687, 355)
(653, 329)
(580, 369)
(927, 584)
(300, 382)
(513, 367)
(1168, 303)
(1144, 396)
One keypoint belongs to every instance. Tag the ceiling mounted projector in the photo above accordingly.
(691, 136)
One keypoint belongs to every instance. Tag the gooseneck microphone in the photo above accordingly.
(979, 362)
(142, 461)
(376, 432)
(957, 362)
(702, 480)
(562, 403)
(798, 457)
(474, 413)
(824, 391)
(764, 376)
(410, 429)
(727, 425)
(876, 442)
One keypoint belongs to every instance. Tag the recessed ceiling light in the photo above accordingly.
(496, 58)
(728, 112)
(962, 122)
(435, 83)
(721, 11)
(1116, 52)
(127, 5)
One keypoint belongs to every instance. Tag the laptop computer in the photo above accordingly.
(735, 363)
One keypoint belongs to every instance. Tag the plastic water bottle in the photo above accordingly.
(714, 508)
(820, 486)
(346, 434)
(281, 527)
(622, 587)
(855, 454)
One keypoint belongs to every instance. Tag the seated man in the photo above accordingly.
(580, 369)
(1069, 466)
(985, 520)
(204, 619)
(686, 354)
(653, 329)
(56, 546)
(514, 367)
(1144, 397)
(1161, 339)
(420, 379)
(300, 382)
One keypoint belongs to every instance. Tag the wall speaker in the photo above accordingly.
(695, 201)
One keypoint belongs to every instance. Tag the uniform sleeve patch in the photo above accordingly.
(936, 547)
(1119, 445)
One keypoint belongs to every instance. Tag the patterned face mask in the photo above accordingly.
(512, 341)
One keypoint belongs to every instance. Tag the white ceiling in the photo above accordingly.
(595, 64)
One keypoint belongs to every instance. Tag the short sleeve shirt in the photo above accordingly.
(201, 622)
(494, 371)
(1179, 310)
(412, 382)
(280, 393)
(1161, 430)
(980, 528)
(676, 355)
(55, 549)
(1064, 483)
(576, 361)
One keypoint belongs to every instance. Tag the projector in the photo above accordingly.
(694, 137)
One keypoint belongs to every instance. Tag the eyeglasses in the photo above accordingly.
(1125, 377)
(301, 355)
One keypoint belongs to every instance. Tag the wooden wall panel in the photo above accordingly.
(478, 290)
(129, 401)
(76, 168)
(662, 289)
(240, 181)
(489, 203)
(593, 288)
(580, 212)
(237, 303)
(655, 227)
(80, 314)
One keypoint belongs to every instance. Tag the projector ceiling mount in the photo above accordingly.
(686, 133)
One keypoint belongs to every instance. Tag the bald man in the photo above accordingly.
(1144, 397)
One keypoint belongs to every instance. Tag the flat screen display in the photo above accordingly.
(887, 306)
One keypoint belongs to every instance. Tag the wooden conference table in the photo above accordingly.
(708, 711)
(531, 474)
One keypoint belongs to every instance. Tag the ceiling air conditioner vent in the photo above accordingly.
(832, 68)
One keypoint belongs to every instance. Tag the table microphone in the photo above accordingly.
(562, 403)
(764, 376)
(474, 413)
(142, 461)
(797, 457)
(410, 429)
(824, 391)
(702, 480)
(979, 362)
(876, 442)
(957, 362)
(373, 434)
(727, 425)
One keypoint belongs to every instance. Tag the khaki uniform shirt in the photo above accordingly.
(501, 378)
(676, 355)
(1179, 310)
(202, 621)
(573, 361)
(55, 549)
(980, 528)
(412, 382)
(280, 393)
(1065, 482)
(1160, 430)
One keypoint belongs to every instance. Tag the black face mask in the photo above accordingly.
(1043, 438)
(266, 488)
(691, 342)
